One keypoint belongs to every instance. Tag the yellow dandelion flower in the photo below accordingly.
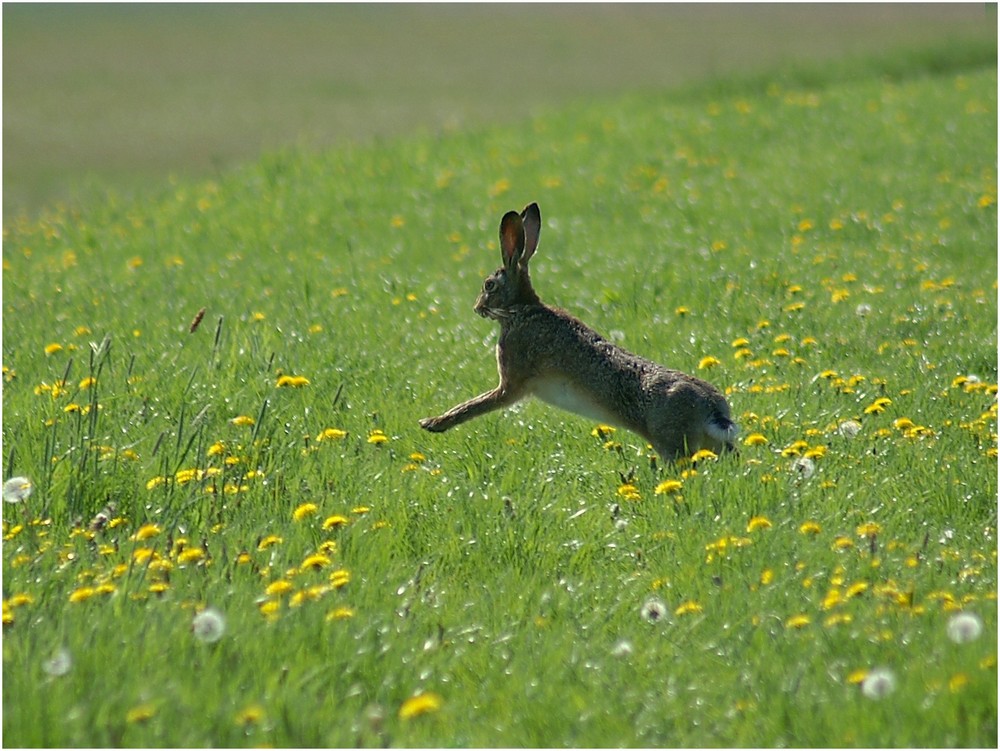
(682, 310)
(377, 437)
(708, 362)
(315, 562)
(832, 599)
(419, 705)
(309, 594)
(360, 510)
(82, 594)
(146, 531)
(87, 382)
(339, 614)
(856, 677)
(141, 713)
(856, 589)
(242, 421)
(842, 542)
(304, 510)
(51, 349)
(798, 621)
(688, 607)
(758, 522)
(268, 541)
(334, 521)
(836, 619)
(253, 714)
(602, 431)
(810, 528)
(668, 486)
(755, 439)
(766, 577)
(332, 434)
(814, 452)
(794, 449)
(269, 609)
(794, 307)
(20, 599)
(957, 682)
(292, 381)
(500, 187)
(278, 587)
(191, 555)
(703, 455)
(868, 529)
(629, 492)
(339, 578)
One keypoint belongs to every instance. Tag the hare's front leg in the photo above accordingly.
(496, 399)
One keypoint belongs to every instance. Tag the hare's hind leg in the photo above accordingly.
(498, 398)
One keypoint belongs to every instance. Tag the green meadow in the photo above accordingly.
(237, 534)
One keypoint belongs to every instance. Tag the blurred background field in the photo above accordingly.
(100, 97)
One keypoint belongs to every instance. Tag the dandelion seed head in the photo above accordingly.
(622, 648)
(209, 625)
(653, 609)
(964, 627)
(59, 664)
(804, 467)
(17, 489)
(849, 428)
(878, 683)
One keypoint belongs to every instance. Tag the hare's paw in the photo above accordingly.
(433, 424)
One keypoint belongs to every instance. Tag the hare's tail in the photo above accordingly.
(722, 429)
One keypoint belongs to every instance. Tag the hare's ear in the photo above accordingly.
(511, 239)
(532, 218)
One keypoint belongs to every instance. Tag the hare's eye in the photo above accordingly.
(489, 285)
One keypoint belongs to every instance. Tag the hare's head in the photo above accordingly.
(510, 286)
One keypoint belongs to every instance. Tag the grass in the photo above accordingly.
(825, 253)
(98, 96)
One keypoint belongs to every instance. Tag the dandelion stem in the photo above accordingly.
(260, 421)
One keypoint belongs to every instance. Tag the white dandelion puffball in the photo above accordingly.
(209, 625)
(804, 466)
(653, 609)
(622, 649)
(849, 428)
(16, 489)
(964, 627)
(60, 663)
(879, 683)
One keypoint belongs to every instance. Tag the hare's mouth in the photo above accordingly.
(496, 314)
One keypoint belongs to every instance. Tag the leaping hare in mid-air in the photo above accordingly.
(548, 353)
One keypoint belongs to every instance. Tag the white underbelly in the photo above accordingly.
(563, 393)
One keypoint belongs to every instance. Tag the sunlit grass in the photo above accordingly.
(236, 534)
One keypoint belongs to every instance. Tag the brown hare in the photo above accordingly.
(546, 352)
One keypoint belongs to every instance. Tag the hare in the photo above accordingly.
(546, 352)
